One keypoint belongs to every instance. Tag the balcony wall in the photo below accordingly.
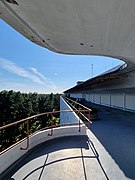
(67, 117)
(14, 153)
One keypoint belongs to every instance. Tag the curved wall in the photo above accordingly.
(13, 154)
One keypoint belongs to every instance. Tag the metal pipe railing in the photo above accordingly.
(27, 137)
(27, 122)
(35, 116)
(84, 107)
(70, 101)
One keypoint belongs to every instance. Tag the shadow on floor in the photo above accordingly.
(77, 142)
(82, 156)
(45, 149)
(116, 132)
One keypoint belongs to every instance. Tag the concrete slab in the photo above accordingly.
(116, 132)
(106, 153)
(55, 159)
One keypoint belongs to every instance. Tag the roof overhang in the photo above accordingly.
(118, 72)
(101, 27)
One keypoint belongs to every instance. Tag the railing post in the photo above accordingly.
(84, 118)
(27, 131)
(26, 121)
(51, 133)
(89, 118)
(79, 120)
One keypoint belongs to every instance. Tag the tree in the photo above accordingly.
(15, 106)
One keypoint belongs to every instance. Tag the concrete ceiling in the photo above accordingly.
(88, 27)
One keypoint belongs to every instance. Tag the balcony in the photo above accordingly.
(76, 149)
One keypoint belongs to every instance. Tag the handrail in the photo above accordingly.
(46, 128)
(68, 99)
(35, 116)
(88, 119)
(27, 121)
(27, 137)
(80, 105)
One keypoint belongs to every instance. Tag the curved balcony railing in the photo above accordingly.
(27, 122)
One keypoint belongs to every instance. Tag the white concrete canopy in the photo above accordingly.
(99, 27)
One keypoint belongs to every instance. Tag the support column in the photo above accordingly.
(124, 101)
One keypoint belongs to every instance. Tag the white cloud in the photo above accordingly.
(45, 85)
(46, 80)
(38, 73)
(14, 68)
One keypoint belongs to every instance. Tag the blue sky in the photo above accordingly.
(27, 67)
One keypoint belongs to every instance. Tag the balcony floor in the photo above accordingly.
(107, 152)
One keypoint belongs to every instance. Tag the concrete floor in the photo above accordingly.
(115, 130)
(106, 153)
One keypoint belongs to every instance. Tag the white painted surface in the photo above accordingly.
(124, 100)
(105, 99)
(9, 157)
(92, 97)
(97, 98)
(76, 95)
(87, 97)
(101, 26)
(67, 117)
(130, 101)
(117, 100)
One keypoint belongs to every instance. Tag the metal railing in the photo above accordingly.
(28, 120)
(77, 106)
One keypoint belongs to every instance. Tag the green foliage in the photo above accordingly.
(15, 106)
(35, 126)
